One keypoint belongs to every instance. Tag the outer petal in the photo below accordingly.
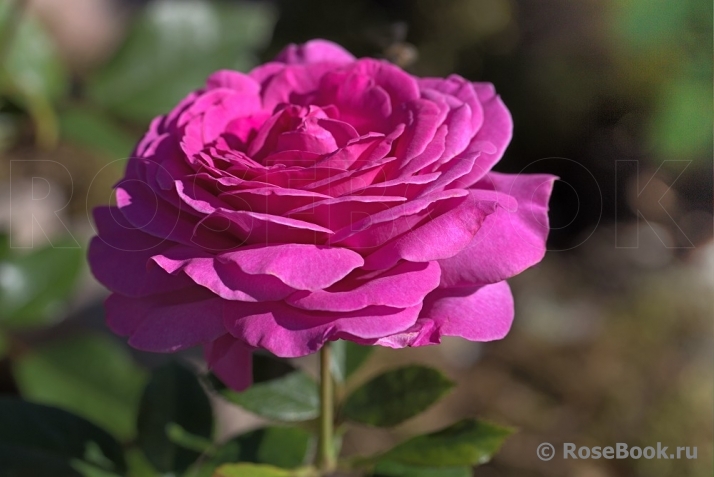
(147, 211)
(511, 239)
(231, 360)
(314, 51)
(477, 314)
(167, 323)
(288, 332)
(120, 253)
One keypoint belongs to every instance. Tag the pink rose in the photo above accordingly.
(318, 197)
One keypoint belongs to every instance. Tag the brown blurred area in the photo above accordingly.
(613, 337)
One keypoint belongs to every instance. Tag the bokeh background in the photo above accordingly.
(613, 335)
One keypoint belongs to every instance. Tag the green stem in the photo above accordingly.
(326, 456)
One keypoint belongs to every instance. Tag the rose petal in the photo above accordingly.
(119, 254)
(231, 361)
(511, 239)
(150, 213)
(383, 226)
(403, 286)
(300, 266)
(169, 322)
(477, 314)
(221, 275)
(314, 51)
(255, 228)
(462, 90)
(441, 237)
(422, 119)
(336, 213)
(289, 332)
(497, 129)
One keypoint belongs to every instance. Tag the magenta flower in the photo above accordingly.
(318, 197)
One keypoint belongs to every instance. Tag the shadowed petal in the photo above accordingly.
(289, 332)
(231, 360)
(403, 286)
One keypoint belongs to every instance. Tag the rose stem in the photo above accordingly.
(326, 451)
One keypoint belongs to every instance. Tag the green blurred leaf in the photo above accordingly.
(173, 47)
(396, 395)
(31, 72)
(31, 62)
(682, 125)
(41, 441)
(35, 286)
(468, 442)
(285, 447)
(291, 398)
(206, 467)
(258, 470)
(650, 23)
(179, 436)
(96, 132)
(394, 469)
(347, 357)
(173, 396)
(265, 368)
(138, 465)
(89, 375)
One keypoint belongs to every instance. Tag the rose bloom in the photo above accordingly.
(318, 197)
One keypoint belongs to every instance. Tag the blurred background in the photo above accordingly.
(613, 334)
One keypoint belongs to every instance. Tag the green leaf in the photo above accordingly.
(179, 436)
(43, 441)
(682, 124)
(396, 395)
(266, 367)
(291, 398)
(173, 47)
(172, 397)
(347, 357)
(138, 465)
(31, 73)
(34, 287)
(285, 447)
(257, 470)
(394, 469)
(96, 132)
(648, 24)
(30, 62)
(468, 442)
(90, 375)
